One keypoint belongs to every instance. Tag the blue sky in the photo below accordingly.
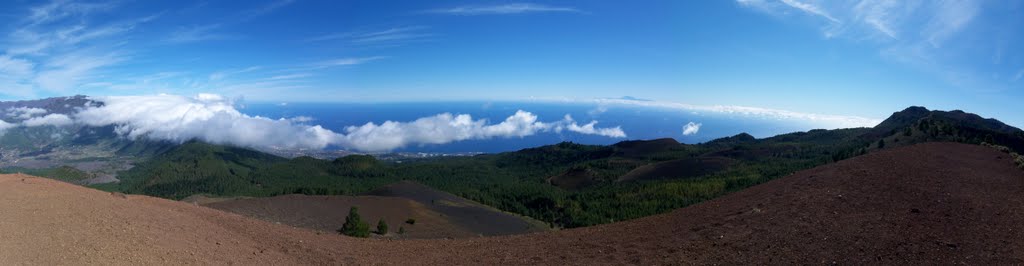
(864, 58)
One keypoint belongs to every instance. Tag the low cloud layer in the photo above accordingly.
(48, 120)
(24, 112)
(214, 119)
(4, 126)
(824, 121)
(446, 128)
(209, 118)
(691, 128)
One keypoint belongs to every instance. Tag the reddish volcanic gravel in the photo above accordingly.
(936, 203)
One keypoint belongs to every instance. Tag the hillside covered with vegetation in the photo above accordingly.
(566, 184)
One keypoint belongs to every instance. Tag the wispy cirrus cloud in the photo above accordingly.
(15, 67)
(857, 19)
(810, 9)
(217, 31)
(65, 72)
(265, 9)
(219, 75)
(932, 36)
(60, 47)
(290, 76)
(385, 37)
(57, 45)
(61, 9)
(199, 33)
(502, 9)
(348, 61)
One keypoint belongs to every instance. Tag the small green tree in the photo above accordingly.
(382, 227)
(401, 230)
(410, 221)
(881, 143)
(354, 225)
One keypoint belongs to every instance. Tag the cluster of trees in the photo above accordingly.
(355, 227)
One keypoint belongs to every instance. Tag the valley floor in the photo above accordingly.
(935, 203)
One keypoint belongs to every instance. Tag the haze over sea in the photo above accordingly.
(637, 121)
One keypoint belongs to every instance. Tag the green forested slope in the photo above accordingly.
(519, 181)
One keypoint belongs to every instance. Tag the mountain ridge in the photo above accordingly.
(568, 184)
(565, 184)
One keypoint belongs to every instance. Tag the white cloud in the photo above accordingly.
(446, 128)
(591, 129)
(206, 117)
(4, 126)
(213, 118)
(58, 120)
(691, 128)
(24, 112)
(600, 109)
(513, 8)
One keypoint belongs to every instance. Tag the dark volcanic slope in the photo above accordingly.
(469, 215)
(937, 203)
(327, 213)
(441, 216)
(928, 203)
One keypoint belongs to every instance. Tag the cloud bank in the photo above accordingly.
(691, 128)
(24, 112)
(214, 119)
(48, 120)
(446, 128)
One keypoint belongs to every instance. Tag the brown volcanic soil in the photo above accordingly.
(573, 179)
(468, 215)
(327, 213)
(924, 204)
